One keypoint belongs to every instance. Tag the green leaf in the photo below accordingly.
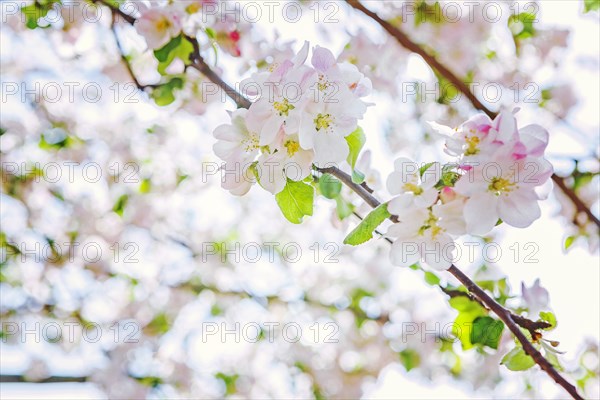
(179, 47)
(358, 177)
(468, 312)
(549, 318)
(296, 200)
(364, 231)
(145, 186)
(329, 186)
(344, 209)
(119, 206)
(356, 140)
(487, 331)
(163, 94)
(590, 5)
(425, 168)
(432, 278)
(211, 33)
(410, 359)
(521, 25)
(517, 360)
(569, 242)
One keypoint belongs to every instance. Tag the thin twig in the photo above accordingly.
(124, 57)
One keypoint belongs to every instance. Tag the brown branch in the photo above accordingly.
(124, 58)
(407, 43)
(579, 204)
(507, 318)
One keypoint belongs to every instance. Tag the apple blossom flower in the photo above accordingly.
(413, 188)
(419, 236)
(287, 160)
(158, 26)
(503, 187)
(238, 147)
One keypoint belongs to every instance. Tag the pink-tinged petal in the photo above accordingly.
(519, 151)
(404, 254)
(535, 139)
(478, 122)
(519, 209)
(322, 59)
(506, 125)
(481, 213)
(302, 55)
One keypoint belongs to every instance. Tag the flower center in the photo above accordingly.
(500, 185)
(431, 224)
(283, 107)
(323, 83)
(292, 147)
(323, 121)
(163, 24)
(250, 142)
(472, 143)
(411, 187)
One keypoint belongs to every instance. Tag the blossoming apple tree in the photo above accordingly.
(299, 129)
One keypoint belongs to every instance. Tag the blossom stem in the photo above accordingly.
(403, 39)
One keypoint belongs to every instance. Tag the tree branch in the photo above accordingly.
(407, 43)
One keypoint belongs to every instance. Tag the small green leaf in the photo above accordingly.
(296, 200)
(410, 359)
(432, 278)
(517, 360)
(356, 140)
(487, 331)
(119, 206)
(343, 208)
(179, 47)
(357, 176)
(211, 33)
(329, 186)
(364, 231)
(145, 186)
(163, 94)
(425, 168)
(569, 242)
(549, 318)
(590, 5)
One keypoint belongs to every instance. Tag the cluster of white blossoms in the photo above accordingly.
(301, 117)
(498, 176)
